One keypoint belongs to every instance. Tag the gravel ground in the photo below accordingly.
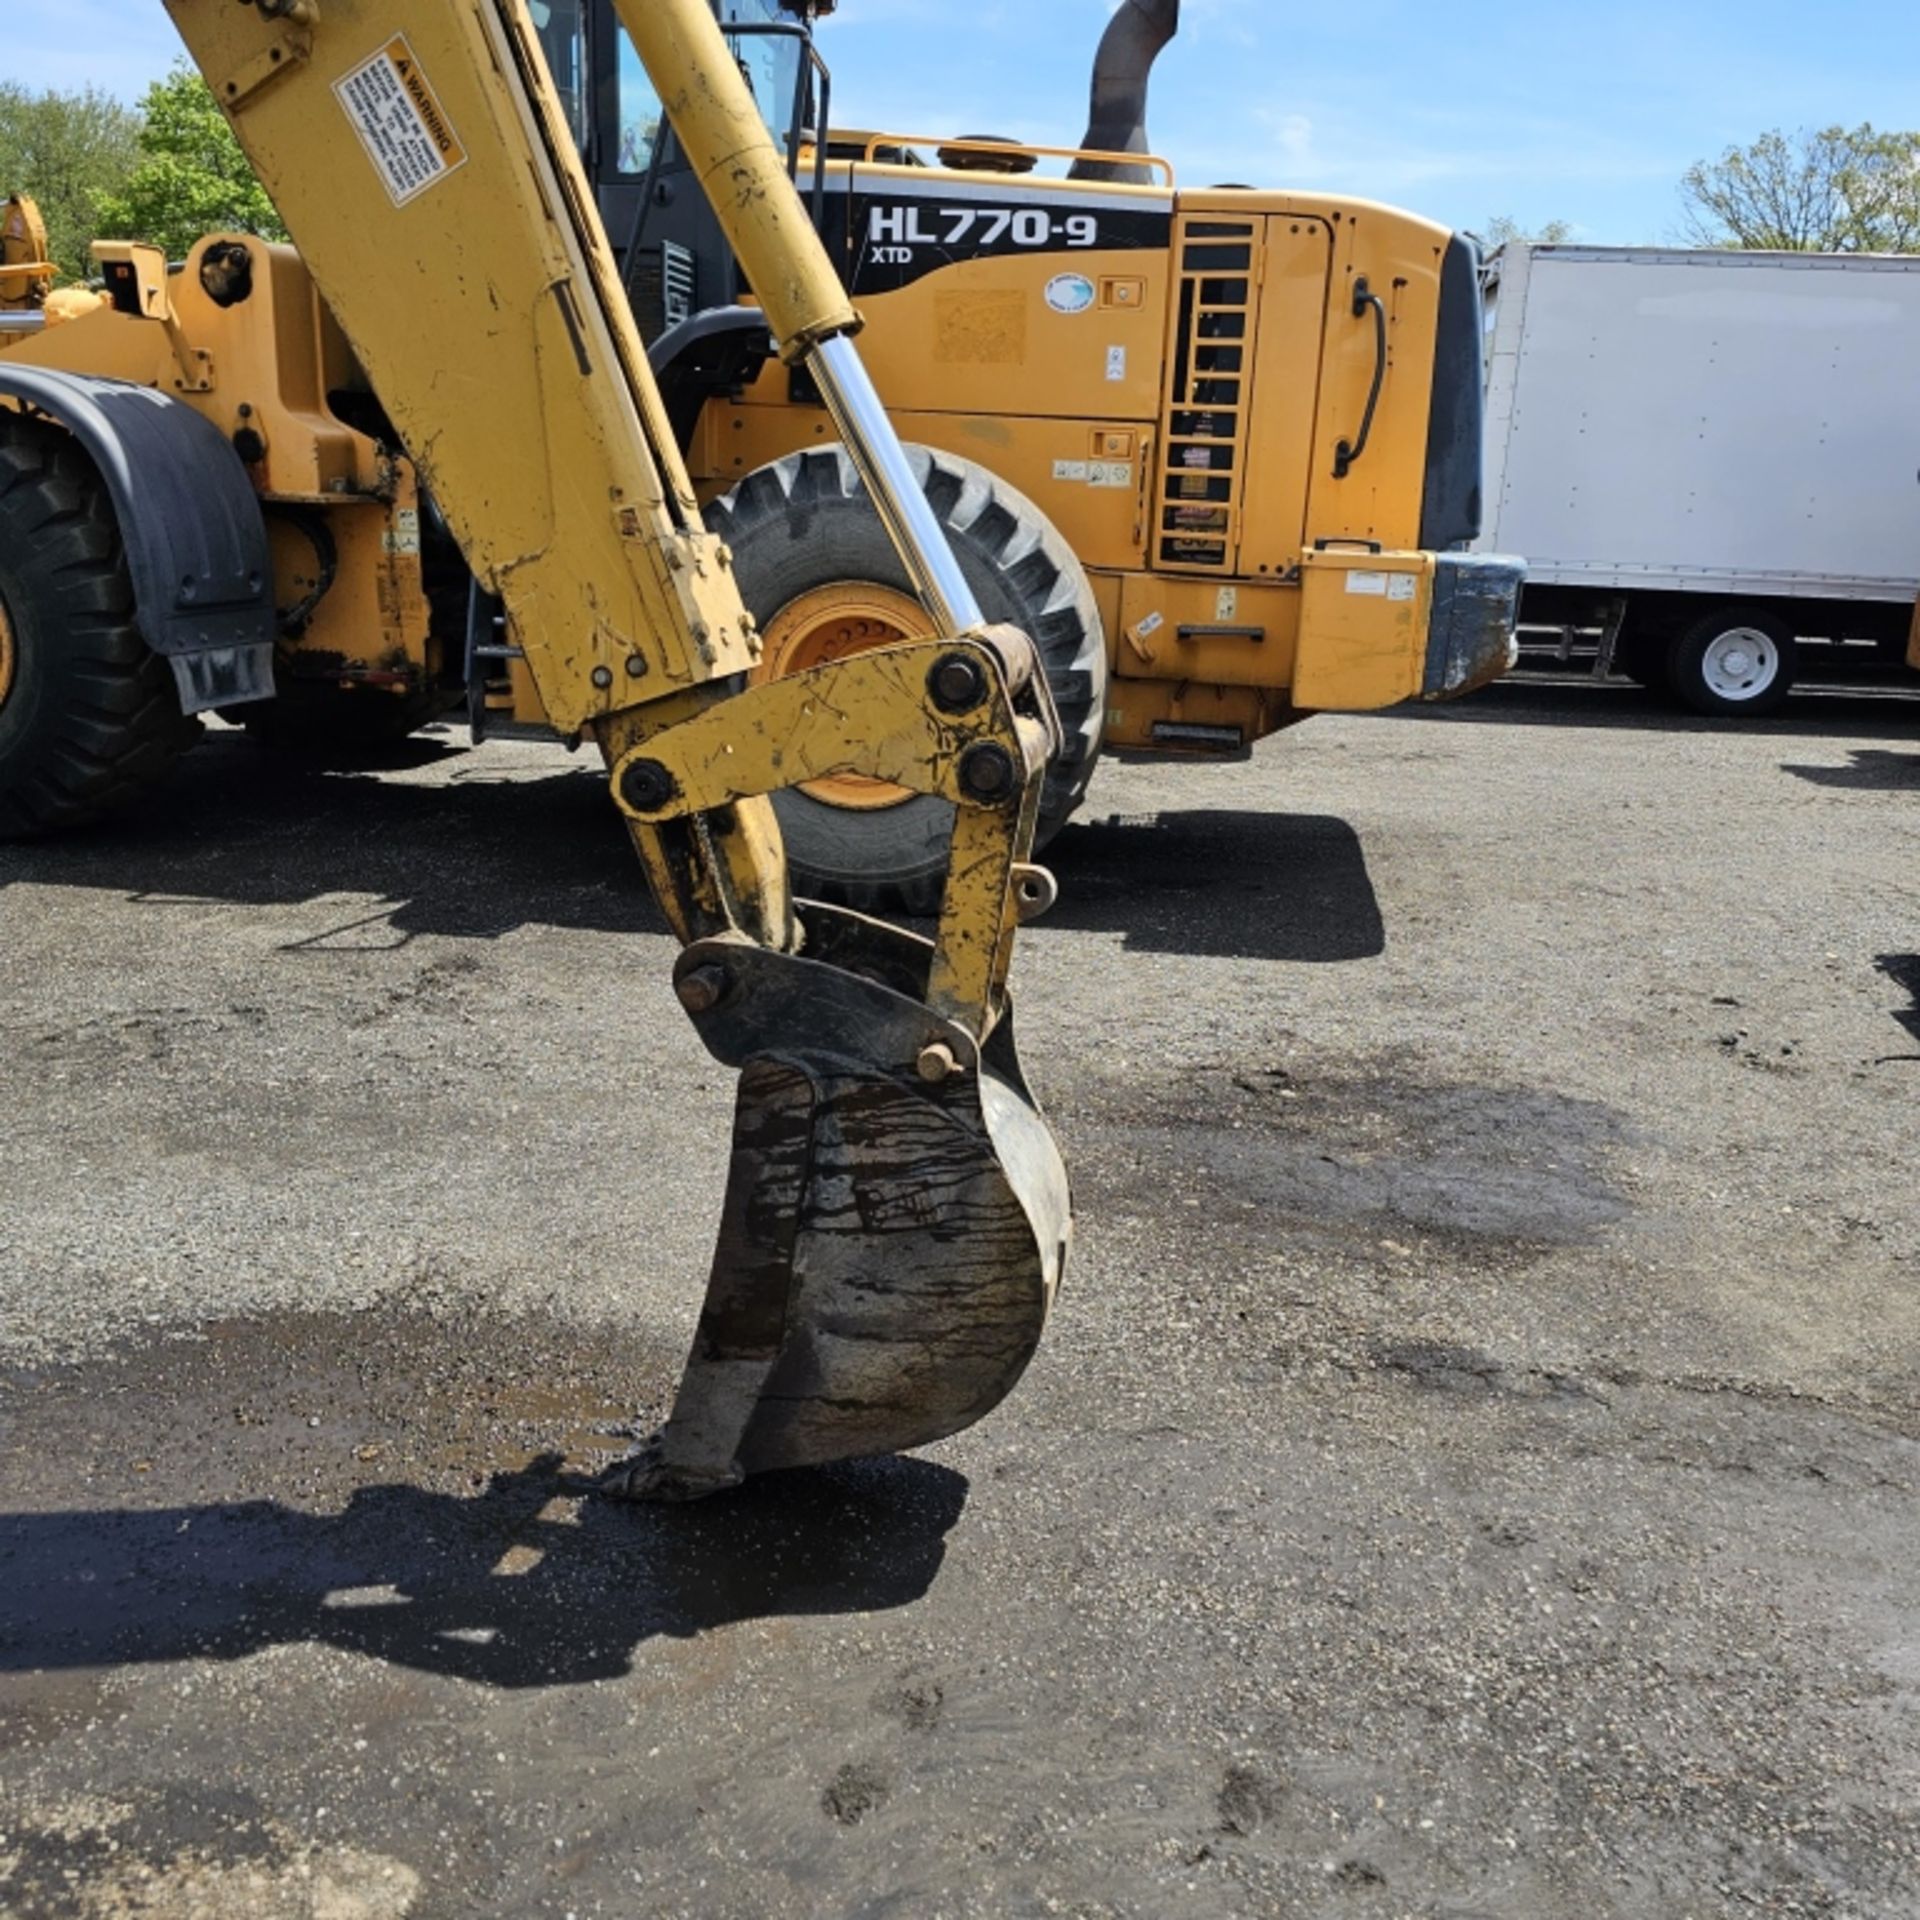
(1471, 1474)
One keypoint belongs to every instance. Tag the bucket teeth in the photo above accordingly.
(888, 1252)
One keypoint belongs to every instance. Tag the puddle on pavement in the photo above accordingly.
(1376, 1149)
(309, 1403)
(414, 1490)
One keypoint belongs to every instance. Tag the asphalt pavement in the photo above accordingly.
(1471, 1473)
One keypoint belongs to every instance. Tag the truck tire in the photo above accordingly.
(89, 716)
(821, 577)
(1733, 661)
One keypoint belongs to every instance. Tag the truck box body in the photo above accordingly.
(1672, 430)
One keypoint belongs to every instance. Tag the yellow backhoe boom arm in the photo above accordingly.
(896, 1220)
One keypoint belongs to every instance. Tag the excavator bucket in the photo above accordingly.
(890, 1245)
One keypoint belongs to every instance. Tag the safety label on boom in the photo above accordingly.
(407, 135)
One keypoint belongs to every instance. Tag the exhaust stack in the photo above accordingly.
(1117, 121)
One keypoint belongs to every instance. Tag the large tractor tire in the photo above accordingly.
(89, 716)
(820, 575)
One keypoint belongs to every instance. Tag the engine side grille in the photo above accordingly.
(666, 286)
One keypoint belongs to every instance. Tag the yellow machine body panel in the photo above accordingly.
(1364, 616)
(268, 358)
(985, 337)
(1101, 522)
(264, 362)
(1175, 395)
(26, 274)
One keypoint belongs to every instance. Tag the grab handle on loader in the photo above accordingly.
(1348, 453)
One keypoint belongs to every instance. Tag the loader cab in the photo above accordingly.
(656, 216)
(675, 260)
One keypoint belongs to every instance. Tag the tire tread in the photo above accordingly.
(113, 724)
(998, 525)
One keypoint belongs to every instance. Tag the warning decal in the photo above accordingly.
(400, 123)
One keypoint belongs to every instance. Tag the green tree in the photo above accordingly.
(193, 178)
(66, 150)
(1503, 229)
(1838, 190)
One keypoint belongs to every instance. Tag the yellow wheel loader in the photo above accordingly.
(26, 274)
(897, 1218)
(1216, 449)
(1212, 450)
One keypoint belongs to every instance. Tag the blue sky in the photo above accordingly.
(1586, 114)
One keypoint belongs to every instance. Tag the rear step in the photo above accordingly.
(487, 643)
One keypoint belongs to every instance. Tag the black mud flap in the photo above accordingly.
(190, 521)
(890, 1248)
(719, 351)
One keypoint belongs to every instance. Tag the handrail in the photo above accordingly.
(940, 141)
(1349, 451)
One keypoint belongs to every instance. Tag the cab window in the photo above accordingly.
(770, 62)
(563, 40)
(640, 112)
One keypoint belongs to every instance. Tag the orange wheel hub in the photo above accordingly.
(835, 623)
(9, 654)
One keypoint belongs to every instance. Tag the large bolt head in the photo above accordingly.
(957, 684)
(646, 786)
(987, 773)
(937, 1064)
(701, 989)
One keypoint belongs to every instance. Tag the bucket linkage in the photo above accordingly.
(897, 1215)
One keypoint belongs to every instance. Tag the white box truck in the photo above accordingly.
(1711, 461)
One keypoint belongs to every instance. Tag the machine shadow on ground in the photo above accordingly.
(1874, 770)
(1219, 882)
(472, 858)
(1903, 969)
(1816, 712)
(479, 856)
(528, 1585)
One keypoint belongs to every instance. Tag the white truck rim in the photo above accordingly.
(1741, 664)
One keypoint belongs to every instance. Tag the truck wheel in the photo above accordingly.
(1733, 660)
(88, 712)
(820, 575)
